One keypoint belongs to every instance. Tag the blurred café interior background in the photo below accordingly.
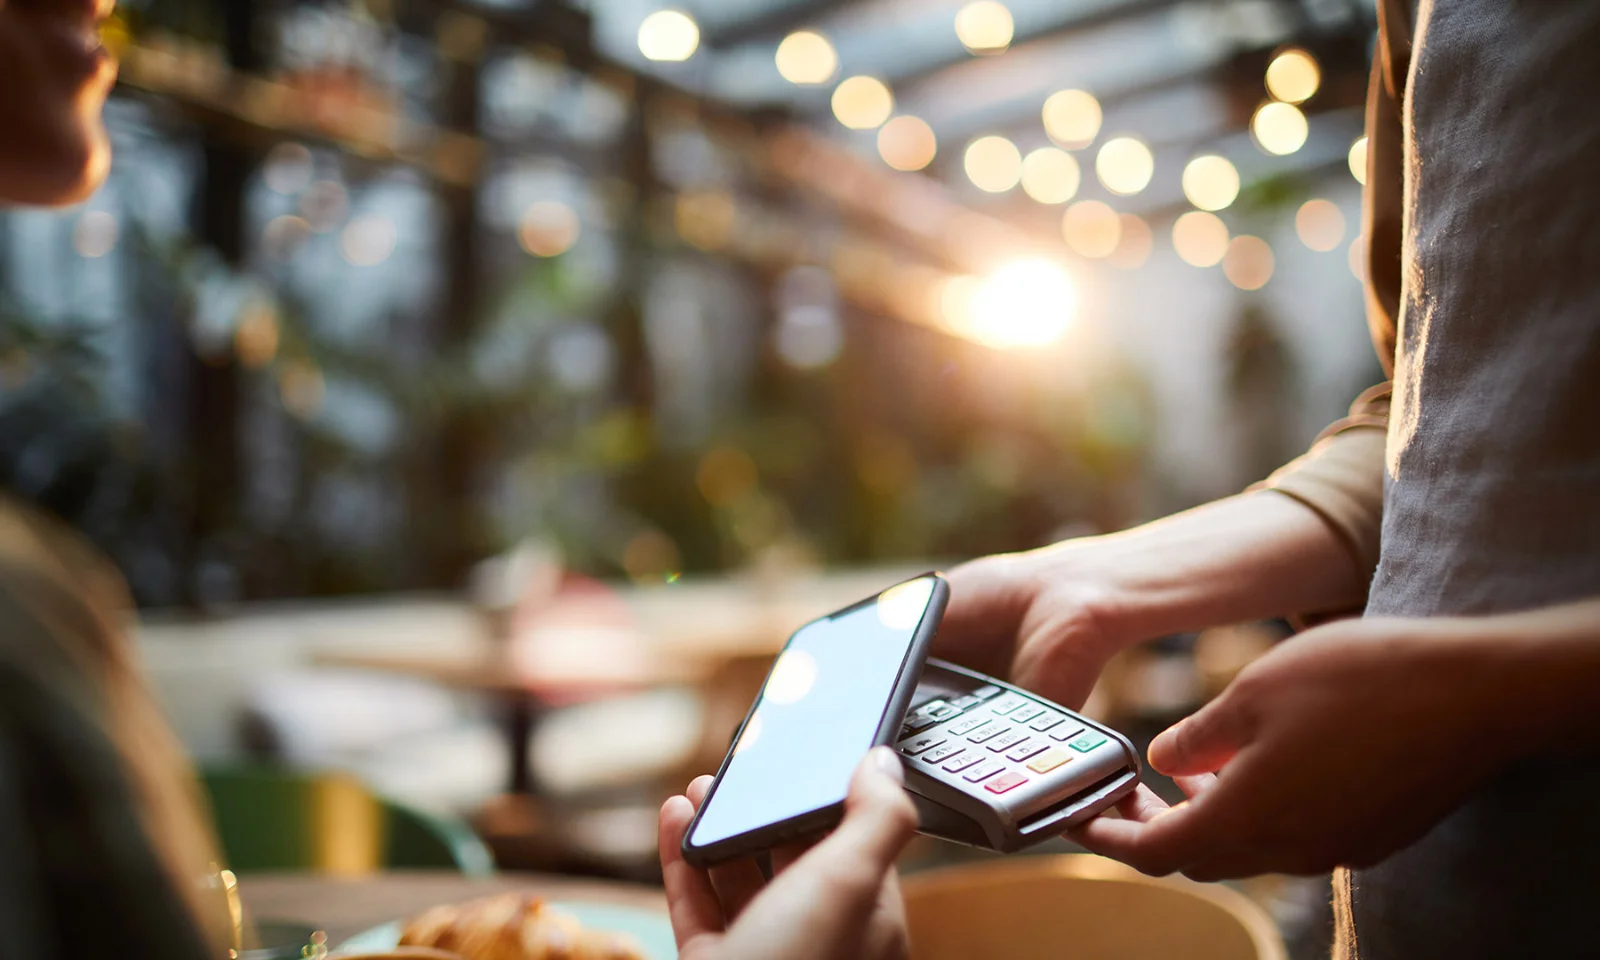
(475, 393)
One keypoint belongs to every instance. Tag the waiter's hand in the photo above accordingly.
(838, 900)
(1335, 749)
(1036, 619)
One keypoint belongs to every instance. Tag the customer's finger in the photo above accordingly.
(692, 903)
(879, 817)
(737, 881)
(783, 856)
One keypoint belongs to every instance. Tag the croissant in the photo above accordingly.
(513, 926)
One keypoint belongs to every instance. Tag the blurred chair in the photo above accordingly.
(1080, 906)
(274, 819)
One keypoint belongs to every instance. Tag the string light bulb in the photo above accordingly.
(668, 36)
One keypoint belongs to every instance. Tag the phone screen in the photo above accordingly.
(816, 716)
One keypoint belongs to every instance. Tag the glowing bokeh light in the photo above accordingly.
(1293, 76)
(283, 235)
(548, 228)
(1248, 262)
(1358, 160)
(1072, 118)
(1320, 224)
(1027, 303)
(95, 233)
(1200, 238)
(806, 58)
(1356, 257)
(1050, 175)
(1133, 244)
(1124, 166)
(993, 164)
(907, 143)
(706, 219)
(324, 205)
(287, 169)
(668, 36)
(255, 339)
(1279, 128)
(1091, 228)
(985, 26)
(751, 734)
(901, 606)
(862, 102)
(367, 241)
(791, 679)
(1210, 182)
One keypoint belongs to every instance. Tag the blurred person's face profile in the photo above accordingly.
(54, 78)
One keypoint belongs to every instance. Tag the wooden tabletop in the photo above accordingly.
(346, 906)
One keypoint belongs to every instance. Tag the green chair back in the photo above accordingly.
(274, 819)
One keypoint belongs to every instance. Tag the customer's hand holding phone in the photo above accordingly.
(839, 898)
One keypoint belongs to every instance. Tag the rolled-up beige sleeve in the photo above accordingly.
(1341, 477)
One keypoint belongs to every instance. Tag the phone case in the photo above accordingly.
(818, 822)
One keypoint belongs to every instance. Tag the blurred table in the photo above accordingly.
(685, 630)
(345, 907)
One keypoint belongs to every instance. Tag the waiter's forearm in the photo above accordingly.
(1540, 673)
(1246, 557)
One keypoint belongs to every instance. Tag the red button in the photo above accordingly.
(1002, 784)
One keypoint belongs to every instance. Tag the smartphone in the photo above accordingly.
(840, 687)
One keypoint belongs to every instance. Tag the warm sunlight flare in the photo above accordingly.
(1028, 303)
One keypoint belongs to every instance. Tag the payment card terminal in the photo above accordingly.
(994, 766)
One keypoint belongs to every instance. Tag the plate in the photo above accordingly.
(651, 929)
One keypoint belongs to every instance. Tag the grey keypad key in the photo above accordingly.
(1046, 722)
(985, 733)
(1005, 705)
(963, 727)
(1066, 732)
(942, 752)
(984, 770)
(1024, 714)
(1028, 751)
(1007, 740)
(917, 745)
(963, 761)
(985, 692)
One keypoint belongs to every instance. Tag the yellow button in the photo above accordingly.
(1049, 760)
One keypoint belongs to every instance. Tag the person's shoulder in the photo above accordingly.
(58, 595)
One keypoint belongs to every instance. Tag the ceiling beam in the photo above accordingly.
(1069, 23)
(771, 23)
